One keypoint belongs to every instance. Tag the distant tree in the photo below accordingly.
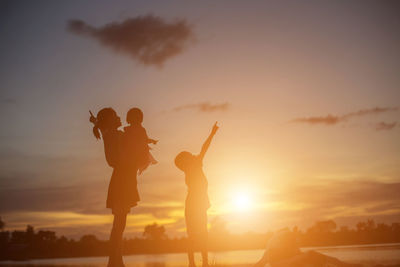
(62, 239)
(154, 232)
(323, 227)
(370, 225)
(30, 233)
(18, 237)
(395, 227)
(48, 236)
(4, 238)
(30, 230)
(88, 239)
(361, 226)
(2, 224)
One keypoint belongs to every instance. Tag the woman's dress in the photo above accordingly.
(122, 191)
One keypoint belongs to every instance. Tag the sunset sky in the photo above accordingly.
(307, 95)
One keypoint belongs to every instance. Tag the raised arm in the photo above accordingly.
(207, 143)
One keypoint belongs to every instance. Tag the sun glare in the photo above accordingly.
(242, 201)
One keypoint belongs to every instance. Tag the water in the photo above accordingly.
(366, 254)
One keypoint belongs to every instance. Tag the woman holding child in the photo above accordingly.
(126, 152)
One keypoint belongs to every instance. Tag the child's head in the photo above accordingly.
(134, 116)
(183, 160)
(107, 119)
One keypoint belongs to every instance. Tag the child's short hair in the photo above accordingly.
(134, 115)
(182, 160)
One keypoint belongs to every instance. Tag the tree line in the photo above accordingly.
(31, 244)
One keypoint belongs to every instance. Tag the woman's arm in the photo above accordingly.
(207, 143)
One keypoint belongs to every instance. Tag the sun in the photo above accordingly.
(242, 201)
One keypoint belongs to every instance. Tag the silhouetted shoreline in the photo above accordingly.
(368, 255)
(31, 244)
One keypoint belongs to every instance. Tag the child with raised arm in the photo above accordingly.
(197, 201)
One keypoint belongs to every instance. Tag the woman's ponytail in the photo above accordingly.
(96, 132)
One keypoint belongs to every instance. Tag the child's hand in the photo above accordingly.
(152, 141)
(215, 128)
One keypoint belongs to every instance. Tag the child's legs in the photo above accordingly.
(196, 225)
(191, 238)
(203, 236)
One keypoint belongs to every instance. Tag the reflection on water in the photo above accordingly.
(368, 255)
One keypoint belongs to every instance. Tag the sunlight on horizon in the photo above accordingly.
(242, 201)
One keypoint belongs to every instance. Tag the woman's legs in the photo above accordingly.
(117, 231)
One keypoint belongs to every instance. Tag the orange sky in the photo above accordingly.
(267, 64)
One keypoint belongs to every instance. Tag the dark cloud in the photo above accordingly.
(149, 39)
(335, 119)
(380, 126)
(204, 107)
(371, 111)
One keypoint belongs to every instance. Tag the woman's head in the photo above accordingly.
(107, 119)
(134, 116)
(183, 160)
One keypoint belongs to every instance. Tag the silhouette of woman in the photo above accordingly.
(122, 190)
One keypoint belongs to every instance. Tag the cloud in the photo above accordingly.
(328, 120)
(148, 39)
(380, 126)
(330, 193)
(56, 197)
(371, 111)
(346, 202)
(204, 107)
(335, 119)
